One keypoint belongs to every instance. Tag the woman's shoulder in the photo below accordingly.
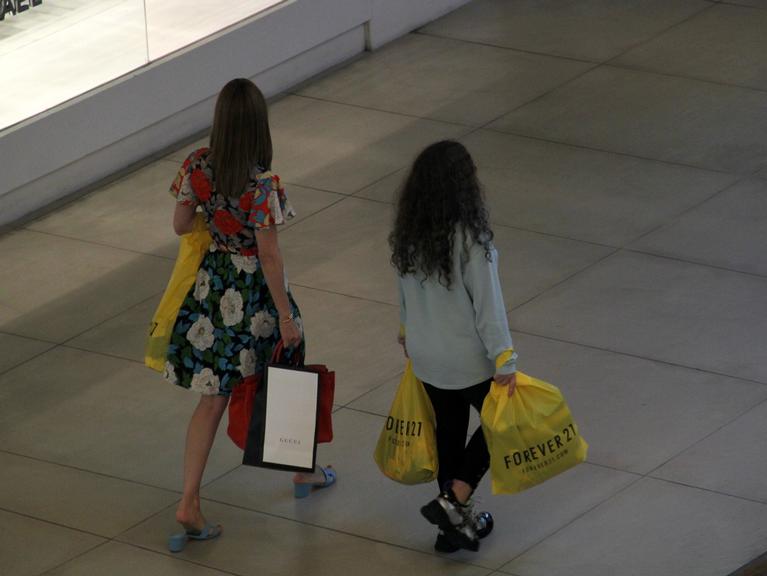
(480, 248)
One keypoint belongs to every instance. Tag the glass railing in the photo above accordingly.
(54, 50)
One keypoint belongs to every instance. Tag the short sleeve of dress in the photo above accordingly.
(192, 183)
(270, 204)
(181, 188)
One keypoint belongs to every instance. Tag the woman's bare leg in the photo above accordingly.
(199, 440)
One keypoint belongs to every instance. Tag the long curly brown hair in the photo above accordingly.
(440, 195)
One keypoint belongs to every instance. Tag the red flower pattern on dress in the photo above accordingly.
(200, 185)
(233, 222)
(226, 222)
(245, 201)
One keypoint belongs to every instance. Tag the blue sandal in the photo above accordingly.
(303, 489)
(177, 542)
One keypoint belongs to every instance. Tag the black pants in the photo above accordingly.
(457, 459)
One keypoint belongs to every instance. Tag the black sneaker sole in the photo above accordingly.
(444, 545)
(435, 514)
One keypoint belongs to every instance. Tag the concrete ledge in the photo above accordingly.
(81, 142)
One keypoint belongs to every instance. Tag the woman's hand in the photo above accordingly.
(509, 380)
(290, 333)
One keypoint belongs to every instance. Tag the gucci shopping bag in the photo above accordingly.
(243, 399)
(283, 428)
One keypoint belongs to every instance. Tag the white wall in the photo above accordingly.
(100, 133)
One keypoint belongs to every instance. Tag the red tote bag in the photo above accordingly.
(243, 399)
(325, 409)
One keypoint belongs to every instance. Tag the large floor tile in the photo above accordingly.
(385, 511)
(387, 188)
(14, 350)
(342, 148)
(653, 529)
(48, 279)
(531, 263)
(133, 213)
(354, 337)
(124, 335)
(727, 230)
(730, 461)
(588, 29)
(102, 414)
(355, 260)
(118, 559)
(30, 547)
(635, 414)
(652, 116)
(408, 77)
(308, 201)
(583, 194)
(75, 498)
(723, 44)
(378, 400)
(262, 545)
(659, 309)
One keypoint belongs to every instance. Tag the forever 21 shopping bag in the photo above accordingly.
(531, 436)
(407, 447)
(191, 251)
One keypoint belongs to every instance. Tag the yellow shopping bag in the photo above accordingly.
(407, 447)
(531, 436)
(190, 254)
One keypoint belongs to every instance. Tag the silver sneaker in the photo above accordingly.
(455, 520)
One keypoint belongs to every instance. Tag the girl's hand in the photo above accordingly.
(290, 334)
(509, 380)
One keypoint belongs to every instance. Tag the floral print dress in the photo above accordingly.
(227, 327)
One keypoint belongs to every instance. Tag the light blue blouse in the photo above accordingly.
(453, 336)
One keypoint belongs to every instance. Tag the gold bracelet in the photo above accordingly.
(287, 320)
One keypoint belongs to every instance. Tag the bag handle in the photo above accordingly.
(279, 348)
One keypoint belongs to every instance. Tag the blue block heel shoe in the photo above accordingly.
(303, 489)
(177, 542)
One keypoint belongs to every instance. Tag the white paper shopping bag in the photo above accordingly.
(284, 426)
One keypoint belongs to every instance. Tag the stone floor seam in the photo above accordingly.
(566, 279)
(672, 219)
(578, 517)
(51, 569)
(93, 472)
(700, 440)
(420, 32)
(514, 132)
(659, 34)
(637, 356)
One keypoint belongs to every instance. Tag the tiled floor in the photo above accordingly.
(623, 147)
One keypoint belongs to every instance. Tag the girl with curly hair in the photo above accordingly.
(453, 324)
